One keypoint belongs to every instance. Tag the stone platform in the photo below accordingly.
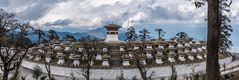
(111, 74)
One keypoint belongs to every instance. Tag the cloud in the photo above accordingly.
(29, 10)
(3, 3)
(90, 13)
(74, 15)
(60, 22)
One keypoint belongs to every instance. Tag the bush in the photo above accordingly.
(37, 72)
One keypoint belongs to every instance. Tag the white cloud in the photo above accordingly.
(83, 13)
(72, 14)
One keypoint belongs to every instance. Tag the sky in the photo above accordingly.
(83, 15)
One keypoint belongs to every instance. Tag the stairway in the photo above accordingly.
(115, 60)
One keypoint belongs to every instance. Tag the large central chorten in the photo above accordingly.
(112, 33)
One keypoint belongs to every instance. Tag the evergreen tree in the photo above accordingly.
(69, 36)
(37, 72)
(52, 35)
(131, 34)
(160, 33)
(40, 34)
(182, 35)
(173, 73)
(144, 35)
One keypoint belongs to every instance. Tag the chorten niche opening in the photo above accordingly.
(112, 33)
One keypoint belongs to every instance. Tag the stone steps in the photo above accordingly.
(115, 60)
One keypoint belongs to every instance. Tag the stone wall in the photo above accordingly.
(111, 74)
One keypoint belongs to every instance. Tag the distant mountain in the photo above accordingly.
(99, 33)
(199, 33)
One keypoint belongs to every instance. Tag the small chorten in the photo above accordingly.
(105, 60)
(122, 48)
(181, 54)
(159, 56)
(171, 54)
(60, 57)
(161, 45)
(76, 61)
(136, 46)
(191, 55)
(149, 50)
(143, 59)
(37, 55)
(30, 54)
(105, 49)
(67, 47)
(98, 55)
(126, 59)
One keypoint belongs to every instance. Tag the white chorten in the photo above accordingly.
(112, 32)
